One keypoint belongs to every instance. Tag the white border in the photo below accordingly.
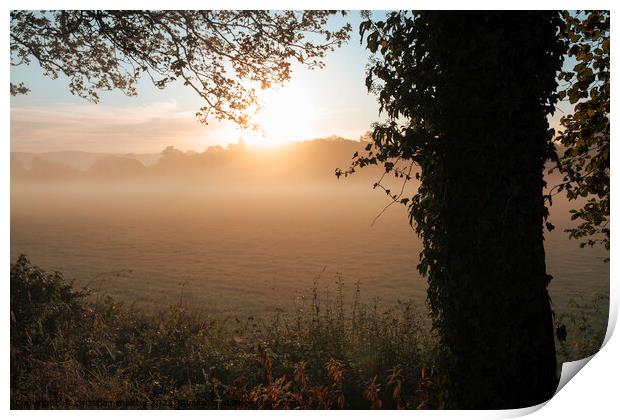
(591, 394)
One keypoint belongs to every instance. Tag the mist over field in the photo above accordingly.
(239, 229)
(290, 163)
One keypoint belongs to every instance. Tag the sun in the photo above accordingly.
(287, 114)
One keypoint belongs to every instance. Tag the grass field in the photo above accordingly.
(71, 348)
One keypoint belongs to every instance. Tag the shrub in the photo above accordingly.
(77, 349)
(69, 346)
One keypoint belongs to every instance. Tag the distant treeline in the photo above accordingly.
(308, 160)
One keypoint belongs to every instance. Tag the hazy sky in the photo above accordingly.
(313, 104)
(329, 101)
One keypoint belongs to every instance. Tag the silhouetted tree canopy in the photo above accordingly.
(585, 131)
(222, 55)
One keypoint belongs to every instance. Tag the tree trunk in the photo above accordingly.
(484, 246)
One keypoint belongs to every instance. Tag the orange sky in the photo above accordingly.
(313, 104)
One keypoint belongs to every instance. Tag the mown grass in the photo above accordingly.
(75, 349)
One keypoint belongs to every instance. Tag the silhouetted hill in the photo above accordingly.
(76, 159)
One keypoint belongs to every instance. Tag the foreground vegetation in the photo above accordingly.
(75, 349)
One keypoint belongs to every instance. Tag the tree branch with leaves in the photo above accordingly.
(585, 133)
(224, 56)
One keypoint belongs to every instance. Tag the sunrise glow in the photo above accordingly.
(287, 114)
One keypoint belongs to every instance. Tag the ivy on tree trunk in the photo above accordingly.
(467, 96)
